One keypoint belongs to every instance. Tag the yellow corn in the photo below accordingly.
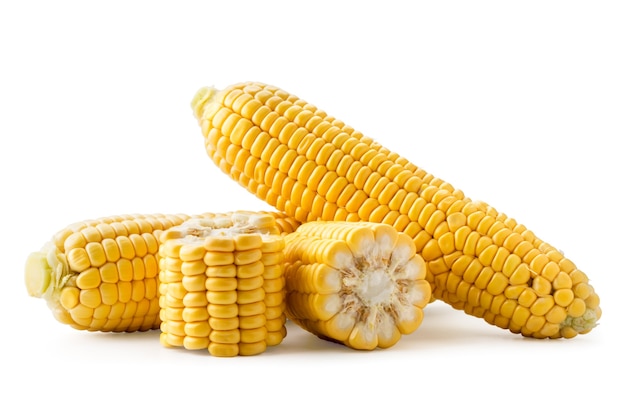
(102, 274)
(222, 284)
(314, 167)
(360, 284)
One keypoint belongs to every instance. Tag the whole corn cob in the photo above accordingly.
(314, 167)
(222, 284)
(103, 274)
(360, 284)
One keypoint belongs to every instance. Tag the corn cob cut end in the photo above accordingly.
(359, 284)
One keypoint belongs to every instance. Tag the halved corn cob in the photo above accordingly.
(313, 166)
(102, 274)
(222, 284)
(360, 284)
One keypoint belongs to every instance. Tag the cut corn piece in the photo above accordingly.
(215, 268)
(102, 274)
(314, 167)
(359, 284)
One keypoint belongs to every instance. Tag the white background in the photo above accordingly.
(519, 104)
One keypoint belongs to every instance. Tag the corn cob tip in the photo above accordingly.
(573, 326)
(200, 99)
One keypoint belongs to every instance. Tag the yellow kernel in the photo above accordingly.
(96, 253)
(219, 244)
(460, 236)
(139, 269)
(246, 284)
(582, 290)
(90, 297)
(192, 268)
(534, 323)
(542, 305)
(539, 262)
(497, 284)
(229, 310)
(78, 259)
(576, 308)
(514, 291)
(550, 271)
(124, 291)
(542, 286)
(520, 316)
(221, 283)
(511, 263)
(195, 299)
(593, 301)
(253, 335)
(109, 293)
(196, 283)
(527, 297)
(487, 255)
(224, 323)
(108, 273)
(223, 350)
(556, 314)
(446, 243)
(521, 275)
(88, 279)
(252, 296)
(562, 281)
(512, 241)
(217, 258)
(195, 314)
(225, 336)
(69, 297)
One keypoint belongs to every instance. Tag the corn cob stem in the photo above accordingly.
(314, 167)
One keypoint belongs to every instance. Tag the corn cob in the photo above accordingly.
(222, 284)
(313, 167)
(360, 284)
(102, 274)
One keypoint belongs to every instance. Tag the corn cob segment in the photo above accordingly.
(359, 284)
(222, 284)
(313, 167)
(102, 274)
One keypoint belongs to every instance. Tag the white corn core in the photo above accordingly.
(376, 288)
(382, 288)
